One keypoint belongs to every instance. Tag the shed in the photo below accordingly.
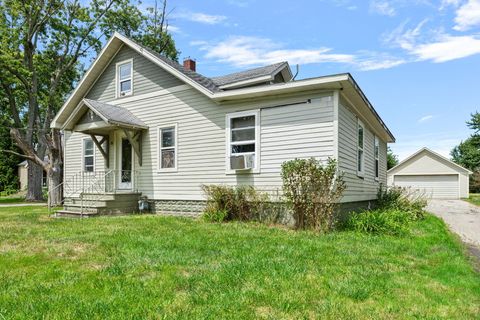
(432, 174)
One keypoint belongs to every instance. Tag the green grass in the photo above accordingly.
(474, 198)
(8, 200)
(151, 267)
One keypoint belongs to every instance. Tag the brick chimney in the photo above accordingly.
(190, 64)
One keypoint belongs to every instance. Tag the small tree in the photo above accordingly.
(312, 190)
(392, 159)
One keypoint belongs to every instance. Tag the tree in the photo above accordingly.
(43, 46)
(8, 162)
(467, 153)
(392, 159)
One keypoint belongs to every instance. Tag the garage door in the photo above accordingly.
(434, 186)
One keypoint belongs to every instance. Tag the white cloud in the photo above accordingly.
(174, 29)
(425, 118)
(447, 3)
(448, 48)
(241, 51)
(434, 45)
(200, 17)
(382, 7)
(468, 16)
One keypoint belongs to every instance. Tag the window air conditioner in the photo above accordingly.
(242, 162)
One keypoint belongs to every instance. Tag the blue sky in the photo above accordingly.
(417, 60)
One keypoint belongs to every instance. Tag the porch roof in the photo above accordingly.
(111, 115)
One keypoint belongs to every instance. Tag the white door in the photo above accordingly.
(434, 186)
(125, 172)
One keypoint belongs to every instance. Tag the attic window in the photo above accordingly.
(124, 78)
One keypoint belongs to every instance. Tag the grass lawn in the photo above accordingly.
(151, 267)
(474, 198)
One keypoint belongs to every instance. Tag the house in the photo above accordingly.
(23, 176)
(140, 124)
(432, 174)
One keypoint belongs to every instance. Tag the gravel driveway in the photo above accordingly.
(462, 217)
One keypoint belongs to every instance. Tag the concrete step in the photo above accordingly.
(74, 214)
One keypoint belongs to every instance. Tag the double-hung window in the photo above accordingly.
(243, 141)
(88, 155)
(376, 150)
(124, 78)
(360, 146)
(168, 148)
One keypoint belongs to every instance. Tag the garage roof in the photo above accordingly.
(435, 155)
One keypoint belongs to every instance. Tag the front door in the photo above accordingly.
(126, 165)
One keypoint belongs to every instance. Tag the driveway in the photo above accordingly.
(462, 217)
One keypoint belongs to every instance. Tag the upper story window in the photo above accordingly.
(360, 146)
(88, 155)
(376, 151)
(243, 145)
(124, 78)
(168, 148)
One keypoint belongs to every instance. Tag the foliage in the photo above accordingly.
(475, 181)
(241, 203)
(312, 190)
(407, 200)
(156, 267)
(380, 221)
(212, 215)
(8, 162)
(392, 159)
(467, 153)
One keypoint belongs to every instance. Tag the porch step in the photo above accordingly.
(103, 204)
(74, 214)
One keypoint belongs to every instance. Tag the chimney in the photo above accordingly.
(190, 64)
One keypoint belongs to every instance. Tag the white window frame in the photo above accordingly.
(83, 155)
(376, 158)
(159, 146)
(228, 137)
(361, 170)
(117, 78)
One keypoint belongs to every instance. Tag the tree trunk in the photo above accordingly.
(34, 188)
(55, 178)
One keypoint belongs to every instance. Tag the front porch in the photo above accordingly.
(117, 135)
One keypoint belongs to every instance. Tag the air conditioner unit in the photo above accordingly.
(242, 162)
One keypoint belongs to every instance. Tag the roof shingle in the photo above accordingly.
(115, 114)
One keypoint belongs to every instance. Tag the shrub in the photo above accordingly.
(214, 215)
(408, 200)
(379, 221)
(312, 190)
(475, 182)
(244, 203)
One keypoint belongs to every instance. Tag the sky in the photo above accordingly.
(417, 61)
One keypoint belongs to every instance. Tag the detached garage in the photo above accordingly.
(431, 173)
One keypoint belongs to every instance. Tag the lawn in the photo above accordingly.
(151, 267)
(474, 198)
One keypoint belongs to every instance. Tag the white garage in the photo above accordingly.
(431, 174)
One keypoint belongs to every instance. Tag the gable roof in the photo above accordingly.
(261, 74)
(341, 82)
(113, 114)
(436, 155)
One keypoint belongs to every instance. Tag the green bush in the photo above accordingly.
(390, 222)
(214, 215)
(243, 203)
(403, 199)
(312, 190)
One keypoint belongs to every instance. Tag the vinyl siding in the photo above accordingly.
(358, 188)
(147, 77)
(288, 132)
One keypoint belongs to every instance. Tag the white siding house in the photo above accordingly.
(161, 130)
(431, 174)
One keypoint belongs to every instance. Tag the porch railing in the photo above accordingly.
(96, 184)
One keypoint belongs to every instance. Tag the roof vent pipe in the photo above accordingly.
(296, 73)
